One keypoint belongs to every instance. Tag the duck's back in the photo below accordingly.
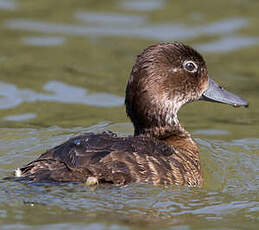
(106, 158)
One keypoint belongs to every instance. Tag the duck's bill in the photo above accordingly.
(216, 93)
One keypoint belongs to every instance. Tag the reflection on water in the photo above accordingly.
(110, 19)
(168, 31)
(211, 132)
(59, 92)
(44, 41)
(20, 117)
(143, 5)
(8, 4)
(228, 44)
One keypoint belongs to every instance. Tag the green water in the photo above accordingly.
(63, 69)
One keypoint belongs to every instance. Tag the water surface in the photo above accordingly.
(64, 66)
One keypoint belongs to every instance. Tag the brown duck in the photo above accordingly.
(164, 77)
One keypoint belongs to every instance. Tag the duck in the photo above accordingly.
(164, 77)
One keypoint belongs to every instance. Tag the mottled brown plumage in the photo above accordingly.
(164, 77)
(117, 160)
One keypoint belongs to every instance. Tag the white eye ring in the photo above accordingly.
(190, 66)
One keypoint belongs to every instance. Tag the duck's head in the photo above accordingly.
(164, 77)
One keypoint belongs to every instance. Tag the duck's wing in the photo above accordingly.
(101, 158)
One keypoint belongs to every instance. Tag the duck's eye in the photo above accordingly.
(190, 66)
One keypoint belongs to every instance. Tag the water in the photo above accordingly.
(64, 66)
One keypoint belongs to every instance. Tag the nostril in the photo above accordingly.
(220, 87)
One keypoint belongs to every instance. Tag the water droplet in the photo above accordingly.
(77, 142)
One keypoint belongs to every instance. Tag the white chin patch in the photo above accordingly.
(18, 172)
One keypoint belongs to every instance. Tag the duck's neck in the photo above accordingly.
(173, 134)
(183, 141)
(162, 127)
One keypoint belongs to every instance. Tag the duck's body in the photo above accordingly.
(164, 77)
(106, 158)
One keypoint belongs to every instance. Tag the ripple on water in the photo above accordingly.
(12, 96)
(233, 163)
(228, 44)
(20, 117)
(167, 31)
(211, 132)
(143, 5)
(43, 41)
(8, 5)
(110, 19)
